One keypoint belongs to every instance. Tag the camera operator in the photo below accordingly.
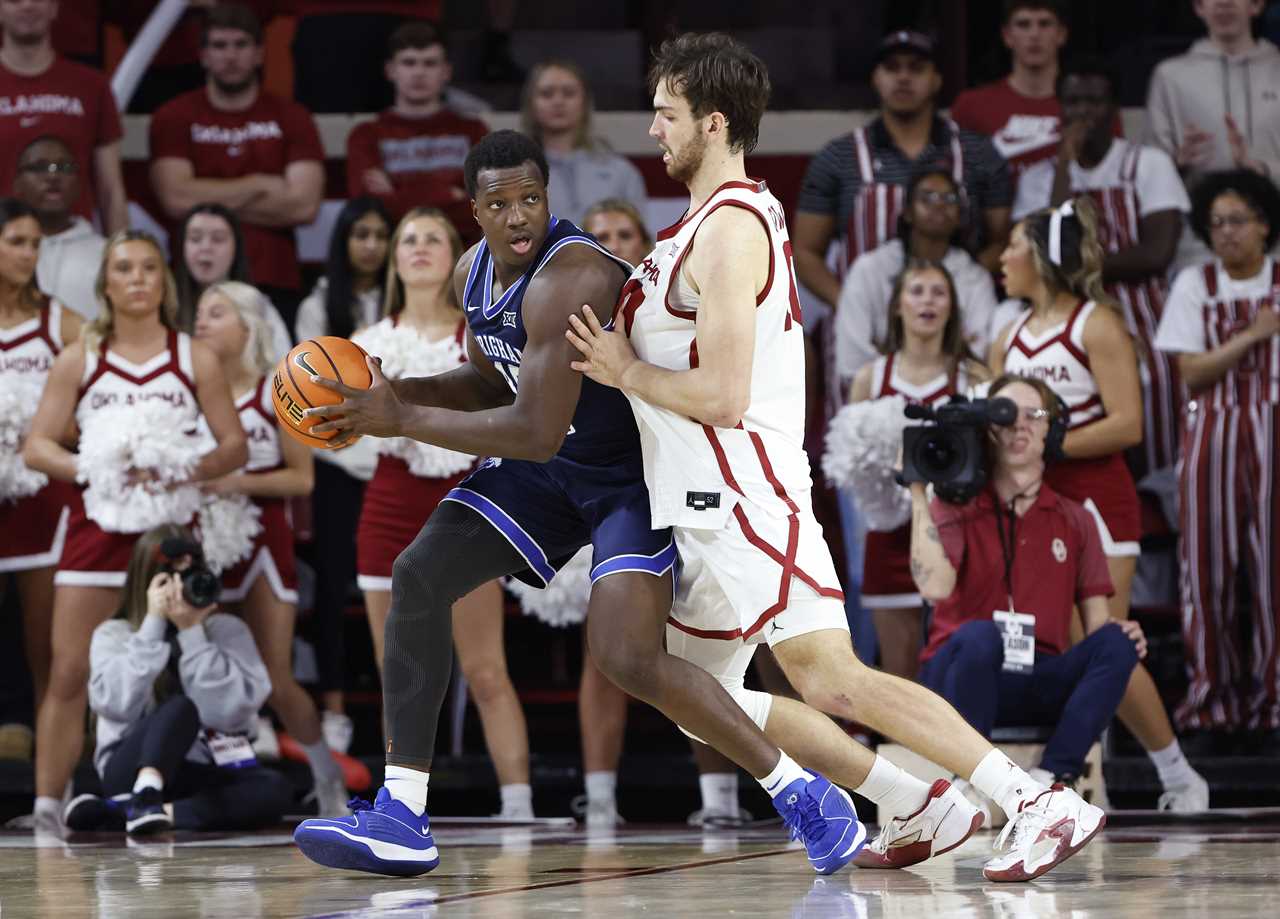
(1003, 572)
(176, 688)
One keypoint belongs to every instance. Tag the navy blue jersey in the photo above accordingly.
(603, 429)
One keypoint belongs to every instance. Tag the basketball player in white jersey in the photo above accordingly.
(716, 380)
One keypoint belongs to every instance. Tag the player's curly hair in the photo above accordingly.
(504, 149)
(715, 73)
(1257, 191)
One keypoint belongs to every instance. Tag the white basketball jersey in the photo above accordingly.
(111, 380)
(1057, 356)
(27, 350)
(697, 473)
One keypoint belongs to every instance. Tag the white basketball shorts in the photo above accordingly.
(760, 578)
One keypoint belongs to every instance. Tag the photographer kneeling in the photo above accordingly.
(1003, 571)
(176, 689)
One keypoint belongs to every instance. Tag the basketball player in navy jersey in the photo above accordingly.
(566, 471)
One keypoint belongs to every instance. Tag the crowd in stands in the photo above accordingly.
(1018, 236)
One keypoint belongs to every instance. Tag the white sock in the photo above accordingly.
(47, 804)
(783, 774)
(408, 786)
(1175, 771)
(324, 768)
(517, 800)
(898, 792)
(719, 793)
(601, 786)
(148, 778)
(1003, 781)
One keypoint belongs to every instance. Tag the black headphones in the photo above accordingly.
(1059, 416)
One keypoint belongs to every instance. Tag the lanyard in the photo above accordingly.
(1007, 550)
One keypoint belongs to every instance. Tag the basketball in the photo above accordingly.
(293, 392)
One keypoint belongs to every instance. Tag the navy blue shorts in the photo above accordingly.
(548, 511)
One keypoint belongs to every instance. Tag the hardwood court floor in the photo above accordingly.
(1160, 870)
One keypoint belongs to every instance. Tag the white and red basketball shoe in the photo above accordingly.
(944, 821)
(1044, 833)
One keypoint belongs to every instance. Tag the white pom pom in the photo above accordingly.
(407, 353)
(19, 397)
(863, 441)
(564, 601)
(150, 436)
(228, 526)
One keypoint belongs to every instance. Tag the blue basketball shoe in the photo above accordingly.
(384, 837)
(822, 816)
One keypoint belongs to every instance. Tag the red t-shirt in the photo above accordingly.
(69, 101)
(262, 139)
(1057, 563)
(1023, 129)
(423, 158)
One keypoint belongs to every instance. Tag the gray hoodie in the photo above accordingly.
(220, 669)
(1204, 85)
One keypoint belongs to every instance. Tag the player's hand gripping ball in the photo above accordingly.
(330, 358)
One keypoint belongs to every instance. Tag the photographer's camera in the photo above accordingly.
(951, 453)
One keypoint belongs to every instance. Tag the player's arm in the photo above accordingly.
(43, 449)
(534, 425)
(1115, 369)
(178, 189)
(1157, 243)
(728, 266)
(473, 386)
(213, 393)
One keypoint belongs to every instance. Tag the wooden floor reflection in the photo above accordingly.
(1162, 870)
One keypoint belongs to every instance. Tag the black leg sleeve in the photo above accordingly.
(456, 552)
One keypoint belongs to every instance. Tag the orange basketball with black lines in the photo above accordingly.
(293, 392)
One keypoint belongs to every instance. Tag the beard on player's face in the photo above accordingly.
(686, 162)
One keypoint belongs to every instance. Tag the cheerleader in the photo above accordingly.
(231, 321)
(33, 508)
(1074, 339)
(422, 334)
(134, 387)
(926, 361)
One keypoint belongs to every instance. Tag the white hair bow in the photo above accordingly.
(1065, 209)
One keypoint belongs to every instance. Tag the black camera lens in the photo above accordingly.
(937, 454)
(200, 587)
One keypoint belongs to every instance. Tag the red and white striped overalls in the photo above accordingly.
(1143, 303)
(1230, 507)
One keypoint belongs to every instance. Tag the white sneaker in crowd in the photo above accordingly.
(599, 814)
(1188, 799)
(337, 729)
(331, 798)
